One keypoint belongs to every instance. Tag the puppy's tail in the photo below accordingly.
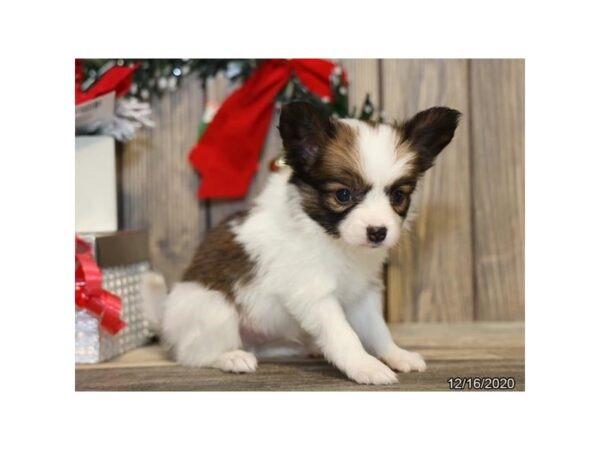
(154, 294)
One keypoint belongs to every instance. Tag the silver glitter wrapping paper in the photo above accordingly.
(92, 343)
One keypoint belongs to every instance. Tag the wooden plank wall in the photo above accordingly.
(158, 186)
(430, 275)
(498, 176)
(463, 259)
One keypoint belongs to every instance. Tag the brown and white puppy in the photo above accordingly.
(303, 266)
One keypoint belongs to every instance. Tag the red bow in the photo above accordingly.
(89, 293)
(228, 152)
(117, 78)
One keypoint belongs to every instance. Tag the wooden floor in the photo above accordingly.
(492, 349)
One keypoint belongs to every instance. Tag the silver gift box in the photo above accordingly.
(123, 258)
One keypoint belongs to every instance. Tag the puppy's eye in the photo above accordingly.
(343, 195)
(397, 196)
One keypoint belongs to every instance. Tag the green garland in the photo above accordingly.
(156, 77)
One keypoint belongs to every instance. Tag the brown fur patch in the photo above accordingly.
(337, 166)
(220, 262)
(339, 162)
(406, 185)
(415, 168)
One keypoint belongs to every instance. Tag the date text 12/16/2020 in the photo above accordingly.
(481, 384)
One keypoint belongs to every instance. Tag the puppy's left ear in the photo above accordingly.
(430, 131)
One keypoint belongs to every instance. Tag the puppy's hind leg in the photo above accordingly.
(202, 327)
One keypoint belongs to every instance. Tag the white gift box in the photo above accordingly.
(95, 184)
(123, 259)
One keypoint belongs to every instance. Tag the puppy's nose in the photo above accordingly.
(376, 234)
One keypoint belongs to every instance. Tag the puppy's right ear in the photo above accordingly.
(304, 129)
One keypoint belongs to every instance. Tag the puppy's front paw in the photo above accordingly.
(237, 361)
(405, 361)
(370, 370)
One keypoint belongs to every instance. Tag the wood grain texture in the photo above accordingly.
(430, 275)
(498, 144)
(363, 79)
(159, 185)
(451, 350)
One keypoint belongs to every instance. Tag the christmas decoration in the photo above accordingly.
(228, 148)
(109, 78)
(130, 116)
(109, 318)
(154, 77)
(227, 152)
(98, 113)
(136, 82)
(210, 109)
(89, 293)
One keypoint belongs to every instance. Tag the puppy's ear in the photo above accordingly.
(304, 129)
(430, 131)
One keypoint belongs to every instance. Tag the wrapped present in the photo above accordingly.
(109, 312)
(95, 184)
(101, 106)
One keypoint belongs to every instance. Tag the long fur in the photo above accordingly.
(300, 267)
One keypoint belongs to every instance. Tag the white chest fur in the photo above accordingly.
(296, 261)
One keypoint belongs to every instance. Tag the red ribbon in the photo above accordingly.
(227, 154)
(117, 78)
(89, 293)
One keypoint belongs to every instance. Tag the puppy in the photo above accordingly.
(302, 268)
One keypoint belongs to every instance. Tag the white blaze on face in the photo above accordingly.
(382, 164)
